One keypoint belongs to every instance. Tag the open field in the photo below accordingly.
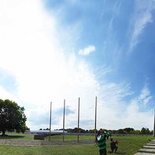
(128, 145)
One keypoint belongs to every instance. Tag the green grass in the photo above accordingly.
(128, 145)
(49, 150)
(69, 138)
(131, 144)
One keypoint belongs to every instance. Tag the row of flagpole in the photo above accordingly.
(78, 125)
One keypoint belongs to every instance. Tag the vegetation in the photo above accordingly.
(119, 131)
(128, 145)
(12, 117)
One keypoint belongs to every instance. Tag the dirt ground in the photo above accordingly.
(40, 142)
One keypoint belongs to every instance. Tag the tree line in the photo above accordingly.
(127, 130)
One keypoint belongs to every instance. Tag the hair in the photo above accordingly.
(99, 132)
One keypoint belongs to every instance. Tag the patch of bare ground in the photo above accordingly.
(39, 142)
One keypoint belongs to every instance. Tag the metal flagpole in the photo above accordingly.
(78, 119)
(63, 120)
(154, 125)
(50, 121)
(95, 117)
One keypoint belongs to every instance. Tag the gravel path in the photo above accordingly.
(39, 142)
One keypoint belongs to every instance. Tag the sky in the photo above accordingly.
(61, 50)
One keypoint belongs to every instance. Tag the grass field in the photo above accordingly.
(128, 145)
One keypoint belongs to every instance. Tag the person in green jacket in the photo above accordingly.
(101, 142)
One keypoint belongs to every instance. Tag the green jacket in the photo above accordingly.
(101, 141)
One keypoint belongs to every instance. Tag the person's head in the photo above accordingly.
(111, 139)
(99, 133)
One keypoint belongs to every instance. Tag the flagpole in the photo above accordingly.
(50, 121)
(154, 125)
(78, 119)
(63, 120)
(95, 117)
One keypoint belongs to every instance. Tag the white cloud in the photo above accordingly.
(142, 16)
(135, 113)
(31, 51)
(145, 96)
(120, 113)
(5, 94)
(86, 51)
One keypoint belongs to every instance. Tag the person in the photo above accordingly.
(113, 145)
(116, 142)
(101, 142)
(108, 135)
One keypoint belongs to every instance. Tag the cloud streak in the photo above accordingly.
(141, 17)
(86, 51)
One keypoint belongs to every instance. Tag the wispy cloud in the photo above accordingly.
(137, 113)
(142, 101)
(5, 94)
(32, 52)
(141, 17)
(86, 51)
(145, 96)
(134, 111)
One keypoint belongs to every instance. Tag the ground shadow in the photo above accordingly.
(123, 153)
(120, 152)
(11, 136)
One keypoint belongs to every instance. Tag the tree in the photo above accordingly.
(12, 117)
(120, 131)
(145, 131)
(128, 130)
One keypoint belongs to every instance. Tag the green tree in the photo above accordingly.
(145, 131)
(128, 130)
(12, 117)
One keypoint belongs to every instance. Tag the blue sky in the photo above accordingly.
(55, 50)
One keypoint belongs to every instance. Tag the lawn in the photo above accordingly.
(128, 145)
